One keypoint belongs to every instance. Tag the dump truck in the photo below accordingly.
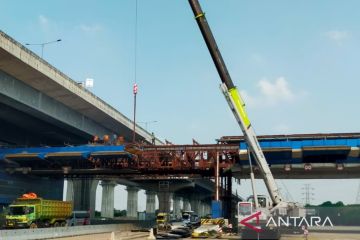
(34, 212)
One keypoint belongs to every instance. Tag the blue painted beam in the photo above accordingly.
(79, 152)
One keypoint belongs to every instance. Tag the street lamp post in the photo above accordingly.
(147, 123)
(42, 45)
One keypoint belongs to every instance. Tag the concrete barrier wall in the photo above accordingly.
(46, 233)
(137, 224)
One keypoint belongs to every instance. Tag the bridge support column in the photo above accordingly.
(164, 201)
(107, 202)
(201, 209)
(150, 204)
(186, 204)
(85, 196)
(132, 201)
(176, 206)
(70, 190)
(207, 209)
(195, 204)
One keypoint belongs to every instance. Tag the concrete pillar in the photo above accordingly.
(195, 203)
(92, 192)
(186, 204)
(85, 195)
(132, 201)
(150, 204)
(70, 190)
(176, 206)
(207, 209)
(164, 201)
(202, 209)
(107, 202)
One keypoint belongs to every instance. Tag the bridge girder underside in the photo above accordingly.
(21, 127)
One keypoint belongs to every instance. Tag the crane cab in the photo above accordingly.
(247, 208)
(263, 201)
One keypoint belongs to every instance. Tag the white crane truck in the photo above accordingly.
(254, 214)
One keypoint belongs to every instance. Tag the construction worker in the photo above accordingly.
(153, 138)
(95, 139)
(106, 139)
(120, 140)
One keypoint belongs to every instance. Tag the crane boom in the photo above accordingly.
(235, 102)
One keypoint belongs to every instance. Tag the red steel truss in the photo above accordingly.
(187, 157)
(173, 158)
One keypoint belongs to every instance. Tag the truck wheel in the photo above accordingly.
(63, 224)
(56, 224)
(33, 225)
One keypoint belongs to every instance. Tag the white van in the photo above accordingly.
(79, 218)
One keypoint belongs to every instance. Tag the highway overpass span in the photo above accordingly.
(41, 105)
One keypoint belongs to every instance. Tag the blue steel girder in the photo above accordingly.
(300, 156)
(298, 149)
(327, 153)
(128, 159)
(70, 155)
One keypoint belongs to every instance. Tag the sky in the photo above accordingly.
(294, 62)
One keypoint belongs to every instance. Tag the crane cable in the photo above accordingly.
(135, 87)
(136, 38)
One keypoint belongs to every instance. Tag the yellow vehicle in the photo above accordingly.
(163, 221)
(37, 212)
(209, 228)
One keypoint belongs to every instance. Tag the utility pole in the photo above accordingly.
(308, 193)
(135, 90)
(357, 200)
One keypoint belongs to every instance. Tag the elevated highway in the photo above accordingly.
(301, 156)
(290, 156)
(40, 105)
(145, 167)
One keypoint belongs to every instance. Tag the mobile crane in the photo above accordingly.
(236, 103)
(237, 106)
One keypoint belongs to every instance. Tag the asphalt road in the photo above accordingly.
(324, 236)
(125, 235)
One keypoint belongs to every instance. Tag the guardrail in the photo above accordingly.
(48, 233)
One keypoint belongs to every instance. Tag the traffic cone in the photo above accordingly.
(151, 235)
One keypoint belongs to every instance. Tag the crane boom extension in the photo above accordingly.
(235, 102)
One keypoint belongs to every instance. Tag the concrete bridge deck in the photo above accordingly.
(42, 101)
